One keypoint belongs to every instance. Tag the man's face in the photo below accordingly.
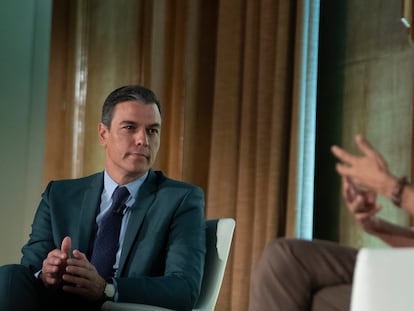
(132, 142)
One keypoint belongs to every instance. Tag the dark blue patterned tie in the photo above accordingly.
(107, 239)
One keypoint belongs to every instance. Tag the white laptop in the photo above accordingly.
(384, 280)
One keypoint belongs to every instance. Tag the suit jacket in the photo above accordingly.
(162, 259)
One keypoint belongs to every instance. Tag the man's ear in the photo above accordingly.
(102, 133)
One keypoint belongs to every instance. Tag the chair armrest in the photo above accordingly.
(125, 306)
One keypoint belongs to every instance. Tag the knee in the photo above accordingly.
(17, 288)
(13, 271)
(271, 254)
(13, 268)
(280, 255)
(282, 248)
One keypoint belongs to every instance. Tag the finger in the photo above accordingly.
(76, 289)
(71, 278)
(371, 197)
(369, 213)
(50, 267)
(357, 204)
(346, 189)
(54, 260)
(344, 169)
(51, 279)
(79, 255)
(364, 145)
(55, 257)
(79, 264)
(340, 154)
(83, 281)
(66, 245)
(79, 260)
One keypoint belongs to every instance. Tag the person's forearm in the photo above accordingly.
(393, 235)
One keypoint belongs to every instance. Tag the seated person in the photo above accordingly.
(157, 253)
(291, 271)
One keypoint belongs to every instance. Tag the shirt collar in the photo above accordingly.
(133, 186)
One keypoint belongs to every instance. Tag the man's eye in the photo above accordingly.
(152, 131)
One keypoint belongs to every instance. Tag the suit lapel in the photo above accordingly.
(90, 207)
(146, 197)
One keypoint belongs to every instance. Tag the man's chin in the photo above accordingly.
(138, 169)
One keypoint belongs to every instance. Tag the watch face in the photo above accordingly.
(109, 290)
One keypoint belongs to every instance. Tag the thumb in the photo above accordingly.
(66, 245)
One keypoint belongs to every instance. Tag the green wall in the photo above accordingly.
(24, 56)
(365, 85)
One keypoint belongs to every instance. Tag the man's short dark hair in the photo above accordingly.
(127, 93)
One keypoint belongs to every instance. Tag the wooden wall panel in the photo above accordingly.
(59, 135)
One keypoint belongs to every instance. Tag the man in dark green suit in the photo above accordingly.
(160, 259)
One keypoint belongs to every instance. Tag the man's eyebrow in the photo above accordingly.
(128, 122)
(155, 125)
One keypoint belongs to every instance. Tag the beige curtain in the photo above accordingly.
(224, 72)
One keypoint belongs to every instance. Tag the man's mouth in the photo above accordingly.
(139, 154)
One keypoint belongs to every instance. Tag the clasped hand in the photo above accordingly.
(76, 274)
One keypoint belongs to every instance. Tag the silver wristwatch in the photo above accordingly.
(109, 291)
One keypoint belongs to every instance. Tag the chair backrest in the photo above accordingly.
(219, 238)
(383, 280)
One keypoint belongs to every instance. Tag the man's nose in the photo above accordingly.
(141, 138)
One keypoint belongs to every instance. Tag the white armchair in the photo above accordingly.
(219, 238)
(383, 280)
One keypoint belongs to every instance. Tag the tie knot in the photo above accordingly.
(118, 198)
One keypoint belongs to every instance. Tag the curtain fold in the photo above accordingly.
(251, 132)
(224, 71)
